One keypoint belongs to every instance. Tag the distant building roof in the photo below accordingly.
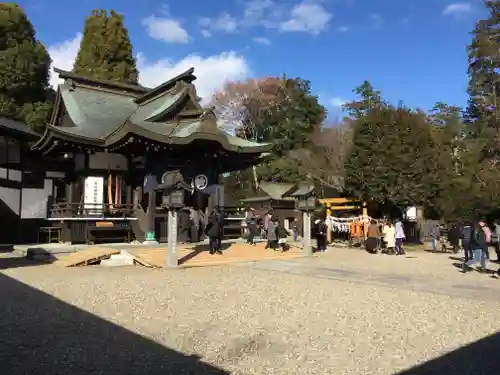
(17, 128)
(271, 190)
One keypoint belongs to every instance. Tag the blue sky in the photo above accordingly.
(414, 51)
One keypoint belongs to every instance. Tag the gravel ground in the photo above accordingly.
(242, 320)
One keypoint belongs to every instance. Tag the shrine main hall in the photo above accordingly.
(95, 171)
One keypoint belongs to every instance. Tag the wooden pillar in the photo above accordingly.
(69, 198)
(129, 209)
(137, 197)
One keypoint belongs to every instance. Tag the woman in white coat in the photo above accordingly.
(389, 233)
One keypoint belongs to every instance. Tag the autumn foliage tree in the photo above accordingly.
(278, 110)
(324, 158)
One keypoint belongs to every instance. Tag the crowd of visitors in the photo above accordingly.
(269, 227)
(383, 236)
(476, 239)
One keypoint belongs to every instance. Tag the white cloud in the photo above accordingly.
(224, 22)
(212, 71)
(166, 29)
(457, 9)
(308, 17)
(63, 56)
(337, 102)
(262, 40)
(206, 33)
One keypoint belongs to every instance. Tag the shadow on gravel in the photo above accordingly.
(478, 358)
(16, 262)
(40, 334)
(436, 251)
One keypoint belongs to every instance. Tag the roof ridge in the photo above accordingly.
(138, 89)
(186, 76)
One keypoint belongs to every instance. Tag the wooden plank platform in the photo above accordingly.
(199, 256)
(87, 256)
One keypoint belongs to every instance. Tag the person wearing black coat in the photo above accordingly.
(253, 230)
(453, 237)
(214, 231)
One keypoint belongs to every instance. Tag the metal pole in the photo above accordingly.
(306, 247)
(172, 259)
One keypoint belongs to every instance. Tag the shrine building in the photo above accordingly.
(106, 149)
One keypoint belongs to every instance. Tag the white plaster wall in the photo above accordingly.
(11, 198)
(34, 201)
(108, 160)
(15, 175)
(55, 174)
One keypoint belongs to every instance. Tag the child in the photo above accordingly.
(282, 235)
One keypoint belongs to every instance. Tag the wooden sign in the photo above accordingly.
(102, 224)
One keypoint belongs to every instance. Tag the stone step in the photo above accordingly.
(117, 262)
(122, 259)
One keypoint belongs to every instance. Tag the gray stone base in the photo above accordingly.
(149, 242)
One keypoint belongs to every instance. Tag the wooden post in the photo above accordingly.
(69, 199)
(137, 197)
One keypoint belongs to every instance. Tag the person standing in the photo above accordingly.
(435, 235)
(282, 235)
(320, 229)
(466, 235)
(487, 234)
(453, 237)
(497, 240)
(267, 221)
(194, 218)
(478, 245)
(214, 231)
(373, 236)
(253, 230)
(272, 236)
(400, 237)
(390, 237)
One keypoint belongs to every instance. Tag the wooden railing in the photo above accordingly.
(97, 210)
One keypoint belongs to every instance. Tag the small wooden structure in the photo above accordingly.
(275, 196)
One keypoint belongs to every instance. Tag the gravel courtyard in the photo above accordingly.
(344, 312)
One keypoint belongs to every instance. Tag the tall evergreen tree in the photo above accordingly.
(369, 98)
(392, 158)
(483, 110)
(105, 51)
(24, 69)
(481, 157)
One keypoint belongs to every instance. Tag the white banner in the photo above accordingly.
(94, 195)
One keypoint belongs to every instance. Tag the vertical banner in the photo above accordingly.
(93, 195)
